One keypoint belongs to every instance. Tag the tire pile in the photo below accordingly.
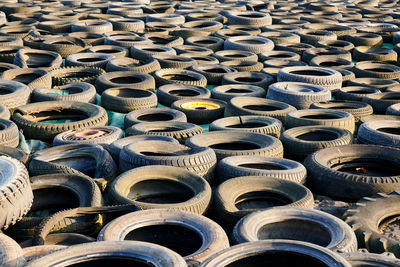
(254, 133)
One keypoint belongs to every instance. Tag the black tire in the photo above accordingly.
(368, 69)
(125, 24)
(98, 60)
(297, 48)
(92, 26)
(276, 253)
(240, 196)
(380, 102)
(116, 51)
(252, 78)
(152, 115)
(253, 44)
(309, 54)
(323, 117)
(35, 252)
(239, 106)
(244, 66)
(32, 127)
(235, 143)
(130, 64)
(14, 94)
(11, 252)
(16, 192)
(33, 78)
(64, 46)
(213, 72)
(229, 91)
(34, 58)
(115, 147)
(54, 191)
(167, 94)
(356, 108)
(249, 18)
(299, 95)
(297, 223)
(62, 76)
(201, 161)
(338, 44)
(200, 111)
(383, 133)
(277, 54)
(211, 42)
(133, 251)
(284, 169)
(299, 142)
(355, 93)
(255, 124)
(366, 53)
(98, 135)
(324, 171)
(76, 91)
(91, 160)
(172, 61)
(393, 110)
(201, 51)
(124, 100)
(312, 37)
(369, 220)
(129, 79)
(179, 76)
(209, 234)
(325, 77)
(365, 39)
(331, 62)
(176, 129)
(146, 51)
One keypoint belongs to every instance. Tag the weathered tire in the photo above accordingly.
(355, 93)
(129, 79)
(65, 75)
(383, 133)
(380, 102)
(9, 134)
(159, 184)
(14, 94)
(229, 91)
(178, 76)
(33, 78)
(356, 108)
(192, 229)
(346, 166)
(253, 44)
(99, 135)
(297, 223)
(368, 69)
(362, 256)
(167, 94)
(12, 255)
(124, 100)
(75, 91)
(200, 111)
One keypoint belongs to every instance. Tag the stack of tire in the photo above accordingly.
(202, 133)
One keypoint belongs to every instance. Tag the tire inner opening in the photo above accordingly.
(26, 77)
(390, 226)
(183, 92)
(295, 229)
(238, 91)
(378, 70)
(261, 200)
(235, 146)
(250, 41)
(155, 117)
(389, 130)
(179, 77)
(262, 107)
(320, 117)
(318, 136)
(57, 115)
(126, 80)
(310, 73)
(165, 129)
(246, 125)
(366, 167)
(84, 164)
(262, 166)
(160, 191)
(182, 240)
(248, 79)
(106, 261)
(277, 258)
(130, 93)
(90, 59)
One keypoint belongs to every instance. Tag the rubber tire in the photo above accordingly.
(77, 91)
(16, 94)
(201, 116)
(212, 235)
(166, 76)
(139, 81)
(356, 108)
(124, 100)
(249, 78)
(362, 256)
(233, 191)
(380, 102)
(229, 91)
(167, 94)
(198, 187)
(239, 43)
(4, 112)
(12, 255)
(355, 93)
(369, 133)
(156, 114)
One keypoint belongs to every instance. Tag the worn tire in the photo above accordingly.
(167, 94)
(75, 91)
(229, 91)
(98, 135)
(200, 111)
(129, 79)
(152, 115)
(125, 100)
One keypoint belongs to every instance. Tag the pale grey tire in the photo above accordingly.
(379, 132)
(11, 253)
(9, 134)
(253, 44)
(77, 91)
(213, 237)
(14, 94)
(297, 223)
(299, 95)
(363, 257)
(4, 112)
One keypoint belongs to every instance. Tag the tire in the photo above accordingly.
(33, 58)
(240, 106)
(106, 251)
(11, 252)
(92, 26)
(364, 257)
(357, 109)
(64, 46)
(14, 153)
(393, 110)
(200, 111)
(178, 130)
(213, 72)
(4, 112)
(367, 69)
(324, 172)
(210, 42)
(75, 159)
(65, 75)
(130, 64)
(75, 91)
(115, 147)
(249, 18)
(281, 37)
(229, 55)
(9, 134)
(33, 78)
(276, 253)
(8, 54)
(98, 135)
(229, 91)
(116, 51)
(312, 37)
(252, 78)
(179, 76)
(174, 62)
(98, 60)
(244, 66)
(365, 39)
(172, 179)
(87, 115)
(256, 124)
(382, 84)
(331, 62)
(152, 115)
(309, 54)
(211, 236)
(125, 24)
(147, 51)
(323, 117)
(355, 93)
(378, 132)
(274, 191)
(299, 95)
(325, 77)
(366, 53)
(59, 191)
(370, 216)
(338, 44)
(299, 142)
(277, 54)
(380, 102)
(279, 168)
(14, 94)
(297, 223)
(346, 76)
(253, 44)
(235, 143)
(201, 51)
(89, 38)
(126, 41)
(297, 48)
(129, 79)
(124, 100)
(167, 94)
(35, 252)
(16, 192)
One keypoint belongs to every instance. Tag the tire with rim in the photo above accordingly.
(360, 170)
(99, 135)
(200, 111)
(167, 94)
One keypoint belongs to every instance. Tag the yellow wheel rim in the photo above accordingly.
(200, 105)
